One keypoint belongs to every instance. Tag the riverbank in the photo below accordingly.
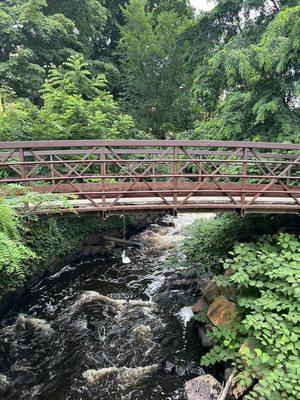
(58, 240)
(247, 312)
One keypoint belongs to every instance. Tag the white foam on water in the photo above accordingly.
(185, 314)
(126, 376)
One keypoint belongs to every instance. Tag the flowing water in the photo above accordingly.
(101, 329)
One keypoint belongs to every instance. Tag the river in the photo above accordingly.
(101, 329)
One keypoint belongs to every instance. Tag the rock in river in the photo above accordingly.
(204, 387)
(221, 311)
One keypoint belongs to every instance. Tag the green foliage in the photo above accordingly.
(64, 235)
(207, 241)
(155, 84)
(247, 71)
(77, 105)
(38, 33)
(267, 278)
(12, 251)
(14, 254)
(18, 121)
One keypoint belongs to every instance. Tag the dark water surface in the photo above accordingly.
(97, 330)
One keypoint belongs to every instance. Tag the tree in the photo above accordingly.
(33, 37)
(247, 71)
(77, 105)
(19, 121)
(181, 7)
(89, 17)
(155, 85)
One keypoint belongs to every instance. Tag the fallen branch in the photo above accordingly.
(122, 241)
(227, 387)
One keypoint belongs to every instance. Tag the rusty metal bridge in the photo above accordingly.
(108, 177)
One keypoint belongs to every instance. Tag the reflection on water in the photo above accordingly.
(96, 330)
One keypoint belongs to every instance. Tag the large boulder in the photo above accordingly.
(204, 387)
(199, 305)
(221, 311)
(211, 291)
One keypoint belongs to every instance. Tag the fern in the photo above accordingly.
(14, 254)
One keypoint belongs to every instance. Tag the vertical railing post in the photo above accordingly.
(23, 171)
(244, 179)
(289, 172)
(22, 166)
(103, 174)
(200, 169)
(175, 179)
(52, 170)
(153, 172)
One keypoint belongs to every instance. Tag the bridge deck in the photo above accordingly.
(146, 176)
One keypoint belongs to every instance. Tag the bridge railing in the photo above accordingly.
(113, 176)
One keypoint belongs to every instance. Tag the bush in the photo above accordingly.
(267, 276)
(206, 242)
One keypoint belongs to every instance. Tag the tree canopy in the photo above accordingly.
(246, 72)
(76, 105)
(229, 73)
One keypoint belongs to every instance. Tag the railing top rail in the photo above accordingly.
(147, 143)
(144, 151)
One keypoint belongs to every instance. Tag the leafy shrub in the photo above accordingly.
(267, 277)
(206, 242)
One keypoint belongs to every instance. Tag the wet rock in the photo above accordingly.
(158, 229)
(200, 305)
(183, 370)
(205, 340)
(178, 284)
(221, 311)
(154, 240)
(170, 367)
(204, 387)
(211, 291)
(4, 384)
(195, 370)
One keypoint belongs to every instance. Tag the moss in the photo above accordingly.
(55, 237)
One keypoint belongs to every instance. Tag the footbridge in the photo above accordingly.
(109, 177)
